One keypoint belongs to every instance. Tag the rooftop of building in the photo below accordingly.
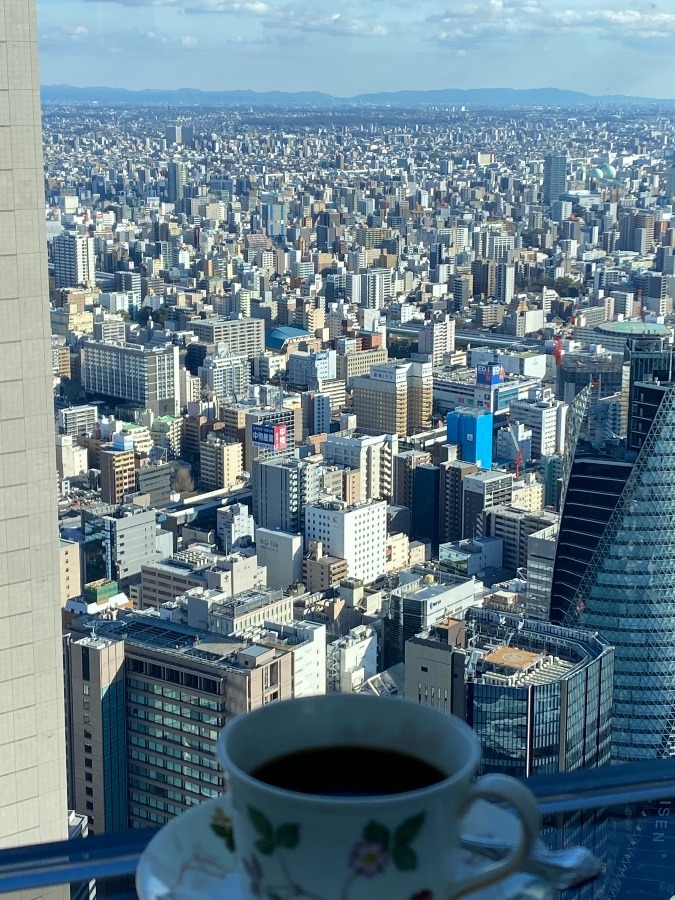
(147, 629)
(636, 328)
(510, 665)
(278, 337)
(509, 649)
(425, 582)
(487, 475)
(241, 604)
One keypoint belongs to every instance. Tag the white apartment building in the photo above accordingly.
(77, 419)
(436, 337)
(306, 642)
(351, 660)
(546, 417)
(71, 459)
(356, 532)
(74, 260)
(372, 455)
(233, 523)
(245, 336)
(226, 374)
(145, 375)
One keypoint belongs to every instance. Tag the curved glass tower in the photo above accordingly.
(626, 590)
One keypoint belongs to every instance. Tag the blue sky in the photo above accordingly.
(351, 46)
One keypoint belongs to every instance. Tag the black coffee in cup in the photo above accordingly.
(348, 771)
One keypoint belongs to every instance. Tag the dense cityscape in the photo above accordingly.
(353, 400)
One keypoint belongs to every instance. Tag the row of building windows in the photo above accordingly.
(178, 724)
(171, 736)
(207, 761)
(173, 676)
(187, 712)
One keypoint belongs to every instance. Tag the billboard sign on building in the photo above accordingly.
(490, 373)
(271, 437)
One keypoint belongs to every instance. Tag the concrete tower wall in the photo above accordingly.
(32, 738)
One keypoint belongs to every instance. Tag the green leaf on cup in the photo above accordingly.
(287, 836)
(263, 826)
(225, 833)
(407, 831)
(266, 846)
(221, 825)
(405, 859)
(376, 833)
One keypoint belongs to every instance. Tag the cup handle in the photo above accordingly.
(524, 803)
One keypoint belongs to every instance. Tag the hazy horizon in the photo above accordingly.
(354, 47)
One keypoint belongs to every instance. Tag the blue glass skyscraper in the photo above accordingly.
(615, 569)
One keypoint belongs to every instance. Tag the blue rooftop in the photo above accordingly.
(278, 337)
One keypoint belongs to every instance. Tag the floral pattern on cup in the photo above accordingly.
(221, 826)
(376, 850)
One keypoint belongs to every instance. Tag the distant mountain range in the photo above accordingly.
(107, 96)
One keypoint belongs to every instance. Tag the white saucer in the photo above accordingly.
(187, 859)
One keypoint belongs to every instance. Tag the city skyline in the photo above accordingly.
(258, 45)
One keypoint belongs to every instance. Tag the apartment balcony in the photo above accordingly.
(624, 813)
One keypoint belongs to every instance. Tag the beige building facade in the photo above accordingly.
(32, 745)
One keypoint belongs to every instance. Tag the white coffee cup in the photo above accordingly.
(398, 845)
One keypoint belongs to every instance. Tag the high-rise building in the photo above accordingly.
(118, 469)
(145, 376)
(74, 260)
(451, 498)
(134, 762)
(615, 568)
(226, 374)
(33, 794)
(546, 418)
(282, 489)
(404, 465)
(395, 398)
(234, 524)
(424, 597)
(471, 430)
(262, 441)
(481, 491)
(555, 178)
(356, 532)
(372, 455)
(177, 180)
(462, 290)
(242, 336)
(118, 541)
(484, 273)
(425, 507)
(505, 282)
(173, 134)
(514, 527)
(538, 696)
(221, 462)
(74, 420)
(436, 337)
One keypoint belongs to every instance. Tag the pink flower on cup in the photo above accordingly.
(368, 858)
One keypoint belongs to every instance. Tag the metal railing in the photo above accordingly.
(117, 854)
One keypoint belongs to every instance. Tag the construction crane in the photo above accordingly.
(558, 349)
(518, 461)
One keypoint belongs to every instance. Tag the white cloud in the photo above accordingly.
(500, 21)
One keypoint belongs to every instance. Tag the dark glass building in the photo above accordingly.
(539, 696)
(615, 565)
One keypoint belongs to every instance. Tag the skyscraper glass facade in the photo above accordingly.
(627, 592)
